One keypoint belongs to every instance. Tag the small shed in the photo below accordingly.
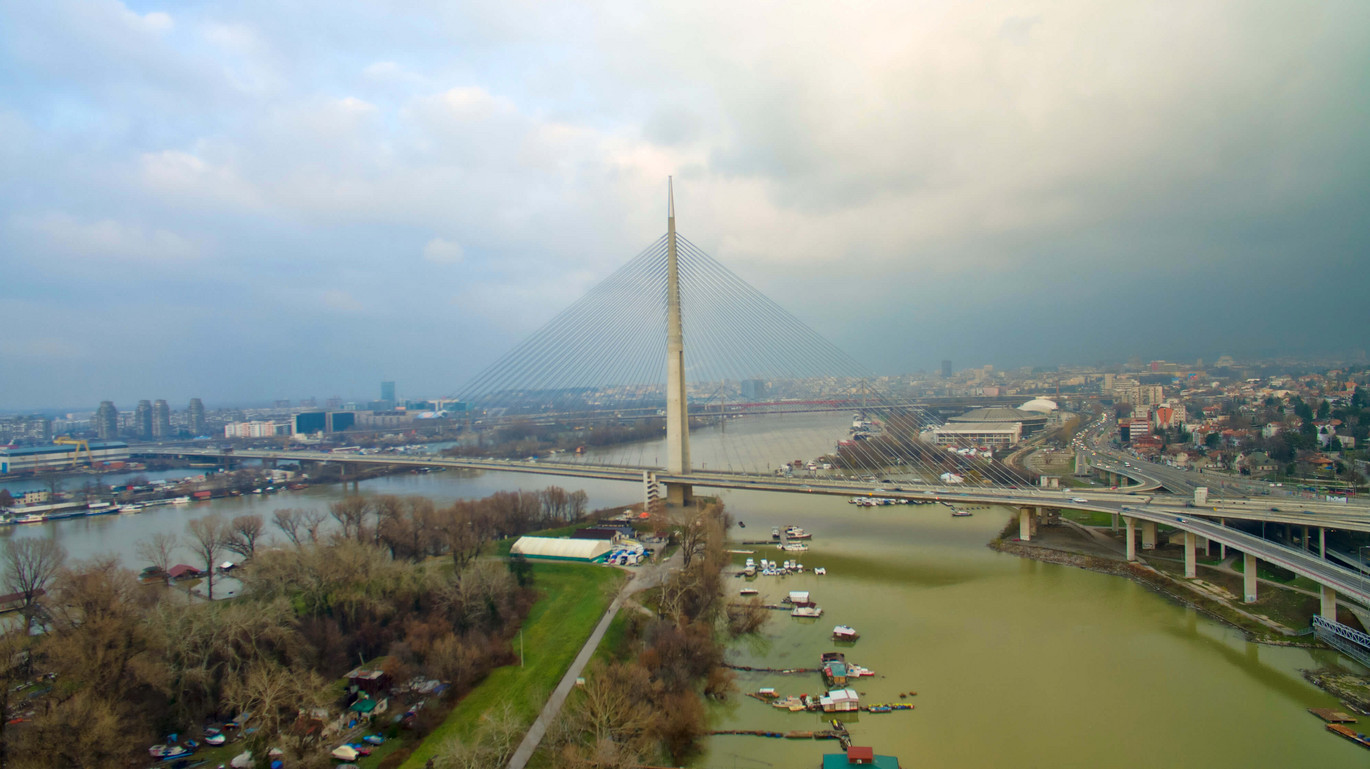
(800, 598)
(859, 756)
(840, 701)
(551, 548)
(369, 681)
(184, 571)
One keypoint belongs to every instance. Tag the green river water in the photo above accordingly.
(1015, 662)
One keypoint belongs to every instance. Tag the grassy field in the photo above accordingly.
(572, 599)
(1088, 517)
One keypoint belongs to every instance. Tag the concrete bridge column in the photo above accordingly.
(1329, 604)
(1038, 516)
(1322, 543)
(1222, 547)
(1115, 522)
(679, 495)
(1249, 566)
(1130, 523)
(1148, 535)
(1306, 546)
(1203, 542)
(1191, 561)
(1025, 524)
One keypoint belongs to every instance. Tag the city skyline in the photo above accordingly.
(192, 199)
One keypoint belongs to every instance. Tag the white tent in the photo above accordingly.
(564, 549)
(345, 753)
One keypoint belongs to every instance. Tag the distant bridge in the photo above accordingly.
(1131, 506)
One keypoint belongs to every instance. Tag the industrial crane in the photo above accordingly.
(79, 443)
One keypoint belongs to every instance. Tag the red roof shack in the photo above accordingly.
(183, 571)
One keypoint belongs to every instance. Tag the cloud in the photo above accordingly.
(65, 236)
(340, 300)
(441, 251)
(914, 158)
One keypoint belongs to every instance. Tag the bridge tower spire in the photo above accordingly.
(677, 410)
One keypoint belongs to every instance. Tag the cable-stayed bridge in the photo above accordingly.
(609, 388)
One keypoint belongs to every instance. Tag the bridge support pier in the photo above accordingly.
(1131, 525)
(1329, 604)
(679, 495)
(1322, 543)
(1025, 523)
(1222, 548)
(1148, 535)
(1249, 566)
(1115, 522)
(1191, 560)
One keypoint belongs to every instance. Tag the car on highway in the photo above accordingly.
(1078, 499)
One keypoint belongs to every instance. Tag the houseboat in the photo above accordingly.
(834, 669)
(845, 633)
(840, 701)
(807, 611)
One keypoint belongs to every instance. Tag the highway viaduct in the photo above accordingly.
(1139, 506)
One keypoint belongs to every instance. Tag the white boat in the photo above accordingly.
(794, 547)
(749, 591)
(794, 532)
(819, 570)
(181, 501)
(807, 611)
(130, 509)
(845, 633)
(27, 518)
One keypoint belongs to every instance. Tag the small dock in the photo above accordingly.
(1332, 716)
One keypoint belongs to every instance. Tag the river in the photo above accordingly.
(1016, 663)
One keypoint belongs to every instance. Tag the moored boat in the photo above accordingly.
(794, 532)
(130, 509)
(1350, 734)
(834, 669)
(845, 633)
(807, 611)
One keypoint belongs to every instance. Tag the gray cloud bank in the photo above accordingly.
(264, 200)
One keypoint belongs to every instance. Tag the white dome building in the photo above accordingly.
(1040, 405)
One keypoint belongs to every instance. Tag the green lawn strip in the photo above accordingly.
(1265, 571)
(611, 648)
(572, 599)
(1088, 517)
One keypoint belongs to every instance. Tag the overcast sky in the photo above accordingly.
(252, 200)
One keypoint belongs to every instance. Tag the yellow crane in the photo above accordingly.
(79, 443)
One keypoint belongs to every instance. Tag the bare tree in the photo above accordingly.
(243, 533)
(350, 513)
(205, 537)
(30, 564)
(577, 502)
(311, 520)
(157, 551)
(288, 520)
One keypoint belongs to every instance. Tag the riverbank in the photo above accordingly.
(1080, 547)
